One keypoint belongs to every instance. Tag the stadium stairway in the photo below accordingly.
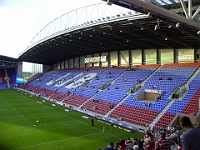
(193, 76)
(35, 76)
(186, 85)
(72, 98)
(93, 95)
(193, 108)
(66, 97)
(118, 77)
(61, 78)
(133, 124)
(87, 100)
(8, 84)
(106, 115)
(143, 83)
(7, 78)
(153, 123)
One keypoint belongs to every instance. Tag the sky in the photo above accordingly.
(20, 20)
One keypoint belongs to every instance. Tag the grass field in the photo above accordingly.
(55, 128)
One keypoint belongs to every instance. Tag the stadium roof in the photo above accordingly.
(8, 62)
(147, 32)
(6, 58)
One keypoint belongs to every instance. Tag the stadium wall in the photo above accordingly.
(47, 68)
(19, 69)
(133, 57)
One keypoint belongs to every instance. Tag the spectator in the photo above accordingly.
(198, 125)
(140, 145)
(191, 137)
(119, 118)
(117, 145)
(154, 86)
(110, 146)
(124, 80)
(129, 144)
(173, 147)
(138, 81)
(163, 143)
(135, 147)
(92, 122)
(122, 145)
(149, 144)
(148, 134)
(112, 106)
(136, 141)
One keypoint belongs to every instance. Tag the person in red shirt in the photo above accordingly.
(148, 144)
(129, 144)
(163, 143)
(122, 145)
(148, 134)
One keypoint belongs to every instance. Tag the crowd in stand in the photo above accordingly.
(186, 138)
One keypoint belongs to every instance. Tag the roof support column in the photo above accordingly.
(143, 57)
(19, 68)
(130, 57)
(196, 12)
(119, 58)
(188, 11)
(184, 8)
(190, 8)
(160, 11)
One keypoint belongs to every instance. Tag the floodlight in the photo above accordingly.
(157, 27)
(109, 2)
(178, 25)
(169, 26)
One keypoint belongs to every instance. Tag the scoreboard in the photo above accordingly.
(96, 59)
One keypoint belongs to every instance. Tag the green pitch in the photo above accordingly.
(27, 123)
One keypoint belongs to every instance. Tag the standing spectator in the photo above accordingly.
(136, 141)
(140, 145)
(92, 122)
(191, 137)
(149, 144)
(122, 145)
(117, 145)
(163, 143)
(198, 125)
(148, 134)
(110, 146)
(129, 144)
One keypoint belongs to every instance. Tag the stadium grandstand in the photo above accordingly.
(136, 66)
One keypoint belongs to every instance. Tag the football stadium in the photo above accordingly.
(116, 73)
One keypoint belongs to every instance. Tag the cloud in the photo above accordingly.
(22, 19)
